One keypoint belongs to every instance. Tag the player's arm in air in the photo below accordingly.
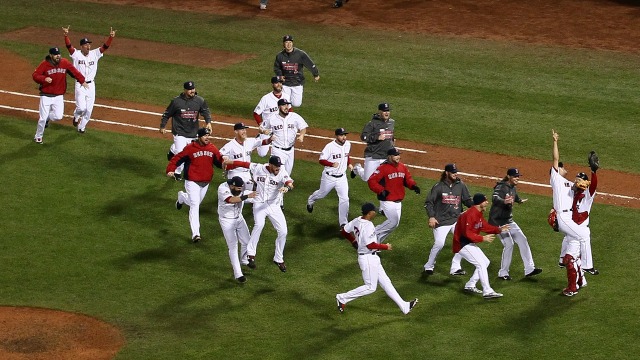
(556, 153)
(67, 42)
(107, 43)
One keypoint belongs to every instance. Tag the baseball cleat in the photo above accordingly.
(506, 277)
(340, 306)
(76, 121)
(38, 140)
(535, 272)
(412, 304)
(561, 265)
(472, 290)
(263, 6)
(337, 4)
(281, 266)
(177, 176)
(242, 279)
(459, 272)
(492, 295)
(196, 239)
(567, 292)
(178, 205)
(427, 272)
(252, 262)
(81, 131)
(592, 271)
(309, 208)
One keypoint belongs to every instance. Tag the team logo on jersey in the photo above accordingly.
(450, 199)
(202, 153)
(396, 175)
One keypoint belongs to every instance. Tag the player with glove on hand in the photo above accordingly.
(389, 181)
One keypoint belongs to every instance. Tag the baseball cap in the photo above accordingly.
(479, 199)
(582, 176)
(367, 208)
(203, 131)
(85, 41)
(341, 131)
(393, 151)
(240, 126)
(384, 107)
(236, 181)
(451, 168)
(189, 85)
(275, 160)
(54, 51)
(283, 102)
(560, 164)
(276, 79)
(287, 38)
(513, 172)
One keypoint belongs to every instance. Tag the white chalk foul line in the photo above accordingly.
(253, 127)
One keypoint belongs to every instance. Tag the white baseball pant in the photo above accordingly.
(439, 236)
(373, 274)
(236, 231)
(328, 183)
(273, 211)
(85, 99)
(579, 233)
(392, 211)
(370, 165)
(474, 255)
(51, 108)
(195, 193)
(179, 143)
(515, 235)
(295, 94)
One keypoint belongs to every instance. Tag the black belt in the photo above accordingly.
(335, 176)
(567, 210)
(285, 149)
(371, 253)
(88, 82)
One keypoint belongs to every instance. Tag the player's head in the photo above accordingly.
(85, 45)
(393, 156)
(54, 54)
(561, 170)
(480, 201)
(341, 135)
(204, 136)
(513, 176)
(384, 111)
(189, 89)
(287, 43)
(369, 210)
(450, 173)
(236, 185)
(274, 164)
(283, 107)
(276, 84)
(241, 131)
(581, 182)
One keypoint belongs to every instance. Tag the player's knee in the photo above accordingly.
(568, 260)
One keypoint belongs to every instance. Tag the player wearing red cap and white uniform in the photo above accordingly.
(231, 198)
(240, 149)
(267, 108)
(389, 181)
(372, 271)
(271, 180)
(335, 158)
(86, 61)
(51, 75)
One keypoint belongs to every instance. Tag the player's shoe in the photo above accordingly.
(472, 290)
(412, 304)
(281, 266)
(505, 277)
(242, 279)
(535, 272)
(340, 306)
(459, 272)
(76, 121)
(592, 271)
(196, 239)
(309, 208)
(337, 4)
(81, 131)
(177, 176)
(568, 292)
(37, 140)
(263, 6)
(561, 265)
(492, 295)
(427, 272)
(178, 205)
(252, 262)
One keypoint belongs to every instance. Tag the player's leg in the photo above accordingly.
(280, 224)
(78, 95)
(57, 108)
(196, 194)
(296, 95)
(244, 236)
(288, 161)
(585, 248)
(390, 290)
(456, 267)
(507, 254)
(229, 231)
(370, 165)
(570, 263)
(393, 212)
(43, 110)
(259, 216)
(342, 189)
(326, 184)
(439, 236)
(369, 276)
(90, 99)
(477, 258)
(523, 245)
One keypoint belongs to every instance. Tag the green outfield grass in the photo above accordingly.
(90, 225)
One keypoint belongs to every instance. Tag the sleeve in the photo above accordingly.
(205, 111)
(498, 195)
(430, 202)
(375, 180)
(466, 197)
(408, 179)
(489, 229)
(38, 75)
(167, 114)
(301, 123)
(76, 74)
(67, 43)
(180, 158)
(309, 64)
(594, 183)
(469, 231)
(257, 117)
(367, 135)
(244, 164)
(375, 246)
(106, 45)
(277, 70)
(217, 159)
(325, 162)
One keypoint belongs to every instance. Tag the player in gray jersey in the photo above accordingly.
(289, 67)
(379, 136)
(444, 205)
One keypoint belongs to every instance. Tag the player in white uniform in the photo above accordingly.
(286, 127)
(267, 108)
(372, 271)
(234, 227)
(271, 180)
(86, 61)
(239, 149)
(335, 158)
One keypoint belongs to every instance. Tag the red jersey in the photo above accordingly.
(468, 228)
(392, 178)
(198, 161)
(57, 73)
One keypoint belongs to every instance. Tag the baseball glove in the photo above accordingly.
(594, 161)
(552, 219)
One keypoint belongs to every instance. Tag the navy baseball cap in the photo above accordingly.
(240, 126)
(275, 161)
(367, 208)
(189, 85)
(582, 176)
(85, 41)
(513, 172)
(451, 168)
(276, 79)
(54, 51)
(341, 131)
(283, 102)
(479, 199)
(287, 38)
(384, 107)
(203, 131)
(393, 152)
(236, 181)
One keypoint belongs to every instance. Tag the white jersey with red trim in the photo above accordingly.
(87, 65)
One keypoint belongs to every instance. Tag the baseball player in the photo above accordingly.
(372, 271)
(335, 159)
(575, 236)
(378, 134)
(501, 213)
(389, 181)
(339, 3)
(271, 180)
(86, 61)
(198, 159)
(465, 237)
(444, 205)
(231, 198)
(184, 111)
(267, 108)
(239, 149)
(289, 66)
(51, 75)
(286, 127)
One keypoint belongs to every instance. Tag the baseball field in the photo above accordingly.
(96, 263)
